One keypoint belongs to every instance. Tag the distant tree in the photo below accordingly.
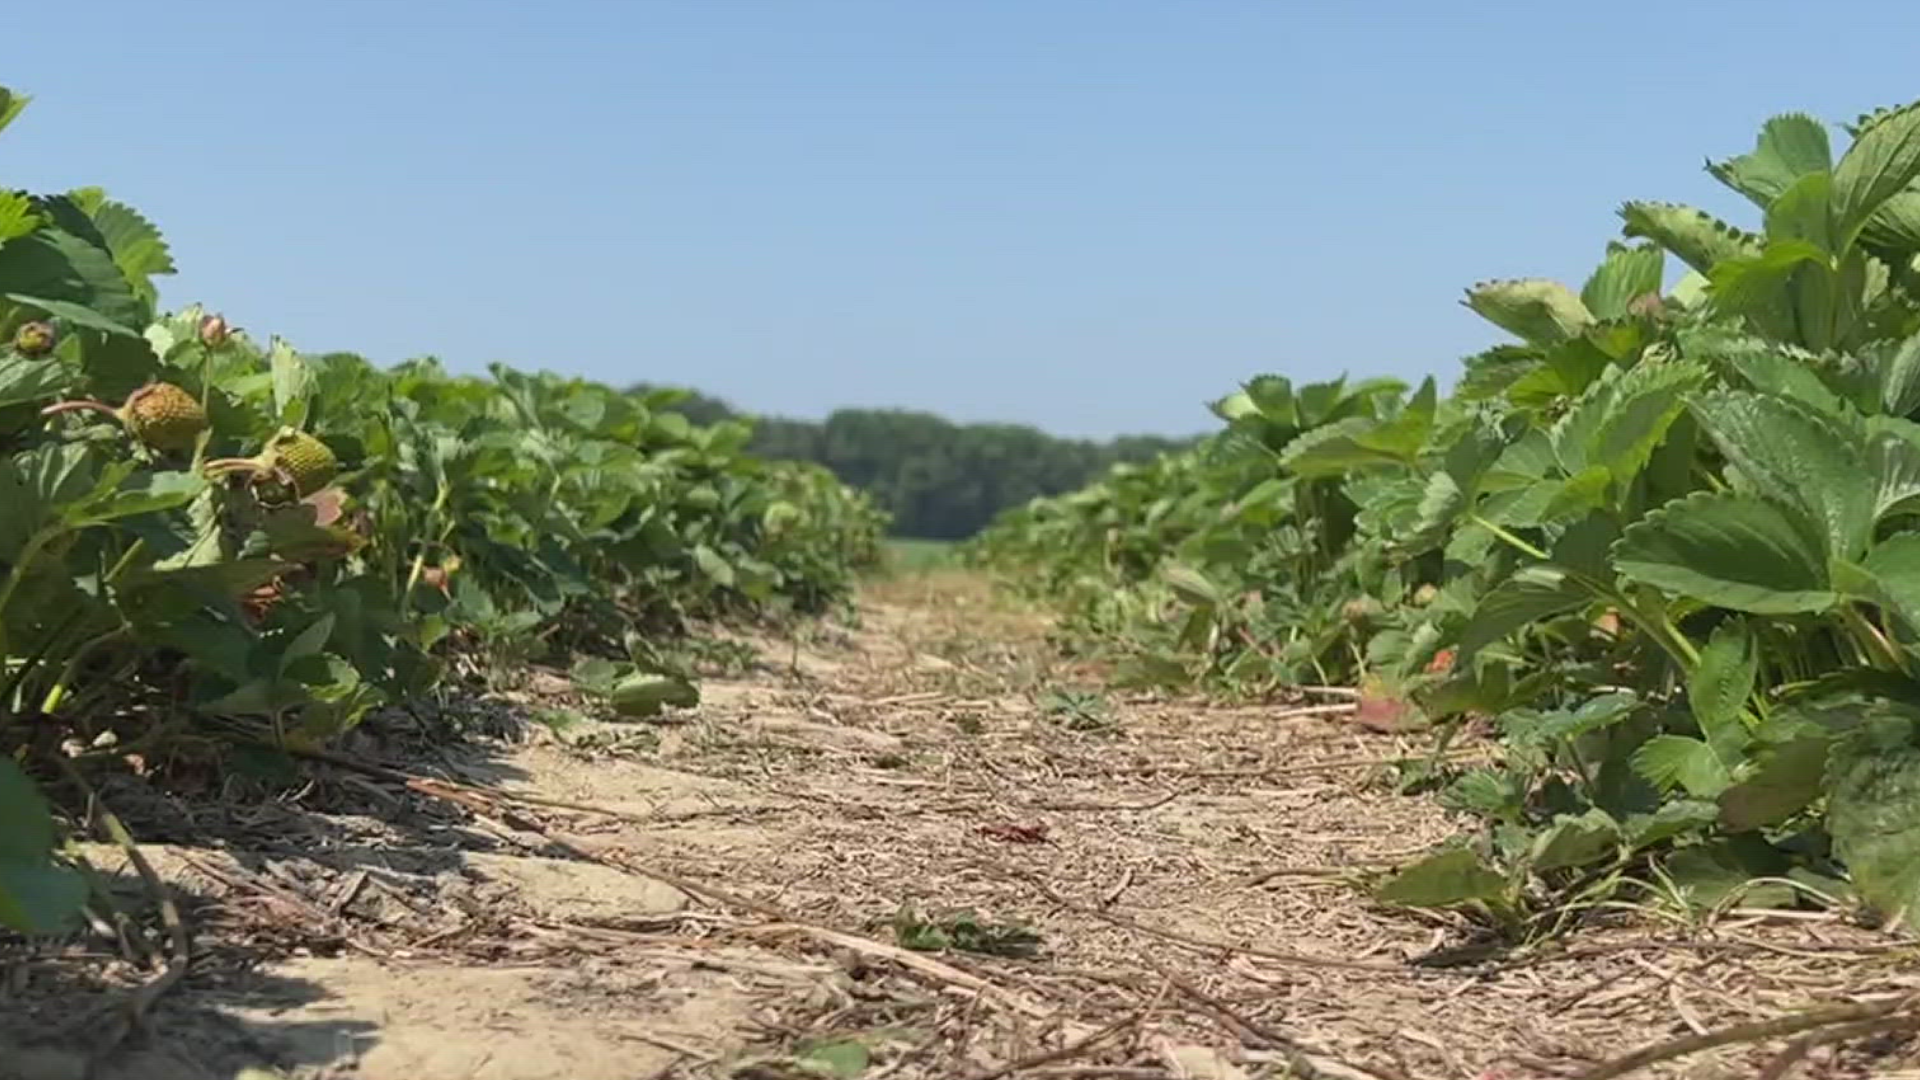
(941, 480)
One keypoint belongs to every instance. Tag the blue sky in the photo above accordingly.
(1091, 216)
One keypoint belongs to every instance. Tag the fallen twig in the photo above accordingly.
(1757, 1031)
(1797, 1050)
(1072, 1049)
(1159, 802)
(142, 999)
(1303, 1060)
(1306, 711)
(1227, 946)
(466, 795)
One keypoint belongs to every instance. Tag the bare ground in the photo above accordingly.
(727, 895)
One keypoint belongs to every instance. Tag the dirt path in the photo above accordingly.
(1182, 869)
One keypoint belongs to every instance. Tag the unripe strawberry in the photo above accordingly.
(35, 339)
(306, 463)
(161, 415)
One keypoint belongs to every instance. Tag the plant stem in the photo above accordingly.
(1509, 538)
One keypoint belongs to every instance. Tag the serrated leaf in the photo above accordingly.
(141, 493)
(23, 381)
(1804, 212)
(1576, 841)
(1733, 551)
(1893, 453)
(17, 216)
(1789, 453)
(1786, 779)
(12, 104)
(1709, 873)
(1790, 147)
(1533, 594)
(1873, 812)
(1535, 310)
(1677, 818)
(1694, 236)
(1447, 879)
(293, 384)
(1191, 586)
(1669, 761)
(1720, 685)
(1627, 274)
(55, 264)
(137, 246)
(1892, 571)
(1899, 378)
(1883, 161)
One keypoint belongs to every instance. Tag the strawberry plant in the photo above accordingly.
(208, 539)
(1667, 538)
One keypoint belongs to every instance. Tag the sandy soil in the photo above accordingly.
(1152, 889)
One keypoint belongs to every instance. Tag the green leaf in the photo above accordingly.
(1677, 818)
(1893, 453)
(309, 642)
(1892, 571)
(1534, 593)
(1694, 236)
(1785, 781)
(1873, 812)
(1191, 586)
(647, 694)
(1791, 454)
(11, 106)
(1447, 879)
(1756, 286)
(1883, 160)
(1710, 873)
(1790, 147)
(137, 247)
(57, 265)
(717, 569)
(844, 1059)
(1535, 310)
(39, 898)
(18, 217)
(29, 833)
(1668, 761)
(1360, 442)
(1720, 685)
(35, 895)
(1732, 551)
(1576, 841)
(1804, 212)
(141, 493)
(23, 381)
(293, 384)
(1899, 377)
(1627, 274)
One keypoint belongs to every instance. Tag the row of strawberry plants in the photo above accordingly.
(1666, 541)
(201, 533)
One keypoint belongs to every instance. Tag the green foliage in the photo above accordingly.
(1668, 539)
(963, 931)
(939, 480)
(278, 597)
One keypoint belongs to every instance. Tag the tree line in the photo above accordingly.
(941, 480)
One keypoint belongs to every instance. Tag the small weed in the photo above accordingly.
(963, 931)
(1078, 710)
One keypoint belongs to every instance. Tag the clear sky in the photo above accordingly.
(1093, 216)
